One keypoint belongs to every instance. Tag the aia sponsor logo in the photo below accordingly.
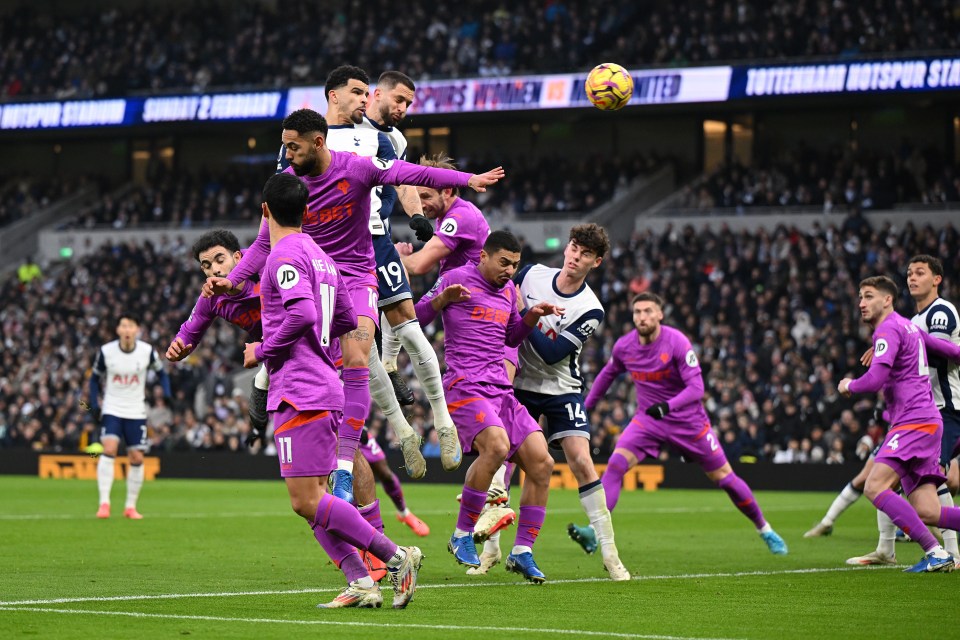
(124, 379)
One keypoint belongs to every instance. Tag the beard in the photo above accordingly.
(387, 118)
(308, 165)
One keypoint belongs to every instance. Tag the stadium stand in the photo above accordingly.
(241, 44)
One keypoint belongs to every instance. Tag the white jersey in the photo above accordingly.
(940, 319)
(367, 143)
(582, 315)
(123, 378)
(397, 141)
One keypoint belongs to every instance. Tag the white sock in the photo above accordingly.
(425, 365)
(492, 545)
(500, 477)
(594, 502)
(460, 533)
(949, 535)
(391, 344)
(381, 390)
(105, 477)
(766, 528)
(134, 483)
(888, 534)
(346, 465)
(841, 503)
(405, 512)
(520, 548)
(366, 582)
(397, 558)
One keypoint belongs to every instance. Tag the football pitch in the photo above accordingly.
(229, 559)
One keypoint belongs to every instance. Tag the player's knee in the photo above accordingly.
(617, 466)
(135, 456)
(304, 507)
(929, 513)
(540, 468)
(497, 447)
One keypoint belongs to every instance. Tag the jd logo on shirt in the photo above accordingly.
(879, 348)
(287, 276)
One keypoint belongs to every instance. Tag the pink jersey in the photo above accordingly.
(478, 328)
(338, 209)
(462, 230)
(666, 370)
(241, 309)
(302, 373)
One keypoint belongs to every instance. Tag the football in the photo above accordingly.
(609, 86)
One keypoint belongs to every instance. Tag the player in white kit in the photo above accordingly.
(121, 371)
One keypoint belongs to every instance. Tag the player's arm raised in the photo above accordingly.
(604, 379)
(252, 262)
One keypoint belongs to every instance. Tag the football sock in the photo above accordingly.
(393, 489)
(888, 534)
(105, 477)
(342, 520)
(499, 476)
(529, 521)
(471, 504)
(949, 521)
(492, 545)
(425, 365)
(841, 503)
(134, 484)
(905, 517)
(382, 391)
(371, 513)
(612, 479)
(390, 343)
(594, 503)
(343, 554)
(743, 498)
(356, 407)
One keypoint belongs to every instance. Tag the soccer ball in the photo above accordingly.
(609, 86)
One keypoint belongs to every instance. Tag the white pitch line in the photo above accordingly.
(464, 585)
(349, 623)
(433, 512)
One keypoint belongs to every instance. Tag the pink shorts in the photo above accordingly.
(364, 291)
(372, 451)
(306, 441)
(474, 406)
(644, 435)
(913, 451)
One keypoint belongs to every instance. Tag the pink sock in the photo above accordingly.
(743, 498)
(343, 554)
(342, 520)
(612, 479)
(356, 408)
(949, 518)
(905, 517)
(471, 504)
(392, 488)
(371, 513)
(529, 522)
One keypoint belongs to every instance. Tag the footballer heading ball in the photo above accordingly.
(609, 86)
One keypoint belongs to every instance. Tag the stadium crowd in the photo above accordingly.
(161, 47)
(772, 313)
(833, 180)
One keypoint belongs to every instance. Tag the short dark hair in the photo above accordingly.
(647, 296)
(591, 236)
(286, 197)
(934, 264)
(132, 317)
(305, 121)
(215, 238)
(501, 240)
(343, 74)
(882, 284)
(389, 79)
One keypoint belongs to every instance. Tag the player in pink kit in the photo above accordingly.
(305, 306)
(910, 453)
(478, 305)
(669, 385)
(337, 218)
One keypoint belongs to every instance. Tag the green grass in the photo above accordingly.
(700, 571)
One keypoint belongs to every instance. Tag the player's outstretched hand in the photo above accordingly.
(177, 351)
(658, 410)
(539, 310)
(403, 248)
(480, 181)
(249, 355)
(843, 387)
(215, 285)
(421, 227)
(867, 357)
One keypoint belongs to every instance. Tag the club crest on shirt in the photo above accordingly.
(691, 359)
(287, 277)
(880, 348)
(343, 186)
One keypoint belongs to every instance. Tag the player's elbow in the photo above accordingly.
(416, 267)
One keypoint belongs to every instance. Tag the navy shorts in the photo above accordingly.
(133, 431)
(391, 276)
(951, 435)
(565, 414)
